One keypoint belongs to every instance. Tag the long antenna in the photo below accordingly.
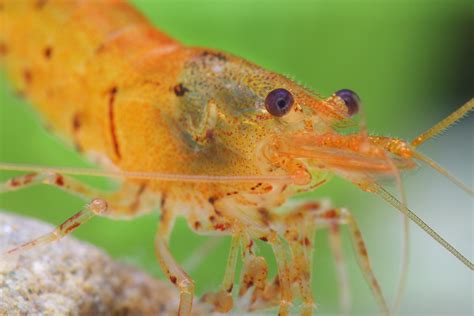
(380, 191)
(436, 130)
(444, 124)
(146, 175)
(406, 238)
(444, 172)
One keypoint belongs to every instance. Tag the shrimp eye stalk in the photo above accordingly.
(351, 100)
(279, 102)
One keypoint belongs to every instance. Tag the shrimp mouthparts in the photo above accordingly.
(350, 156)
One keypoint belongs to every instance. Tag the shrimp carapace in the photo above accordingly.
(201, 134)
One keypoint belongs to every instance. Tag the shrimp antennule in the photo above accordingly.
(436, 130)
(444, 124)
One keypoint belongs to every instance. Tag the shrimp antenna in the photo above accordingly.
(406, 238)
(444, 124)
(443, 171)
(384, 194)
(404, 209)
(436, 130)
(147, 175)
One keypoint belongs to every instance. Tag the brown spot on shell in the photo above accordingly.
(212, 200)
(306, 242)
(59, 180)
(3, 49)
(197, 225)
(27, 76)
(173, 279)
(113, 131)
(76, 122)
(48, 52)
(180, 90)
(256, 186)
(100, 48)
(39, 4)
(221, 226)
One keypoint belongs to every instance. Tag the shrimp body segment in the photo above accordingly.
(131, 98)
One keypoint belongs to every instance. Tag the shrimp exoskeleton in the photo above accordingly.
(203, 135)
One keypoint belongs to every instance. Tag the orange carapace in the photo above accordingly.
(198, 133)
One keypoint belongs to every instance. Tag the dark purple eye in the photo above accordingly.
(351, 99)
(278, 102)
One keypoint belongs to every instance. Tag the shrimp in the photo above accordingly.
(203, 135)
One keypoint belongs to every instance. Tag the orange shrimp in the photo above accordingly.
(203, 135)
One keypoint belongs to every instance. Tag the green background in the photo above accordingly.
(410, 62)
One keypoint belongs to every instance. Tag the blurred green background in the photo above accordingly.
(410, 62)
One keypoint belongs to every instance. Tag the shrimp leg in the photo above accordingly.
(254, 272)
(130, 199)
(342, 216)
(299, 226)
(54, 179)
(102, 203)
(301, 248)
(283, 273)
(335, 244)
(299, 234)
(222, 300)
(95, 207)
(170, 267)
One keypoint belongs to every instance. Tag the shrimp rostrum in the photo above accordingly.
(204, 135)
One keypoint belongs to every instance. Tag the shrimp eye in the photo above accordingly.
(351, 99)
(278, 102)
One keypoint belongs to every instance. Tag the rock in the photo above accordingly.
(70, 277)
